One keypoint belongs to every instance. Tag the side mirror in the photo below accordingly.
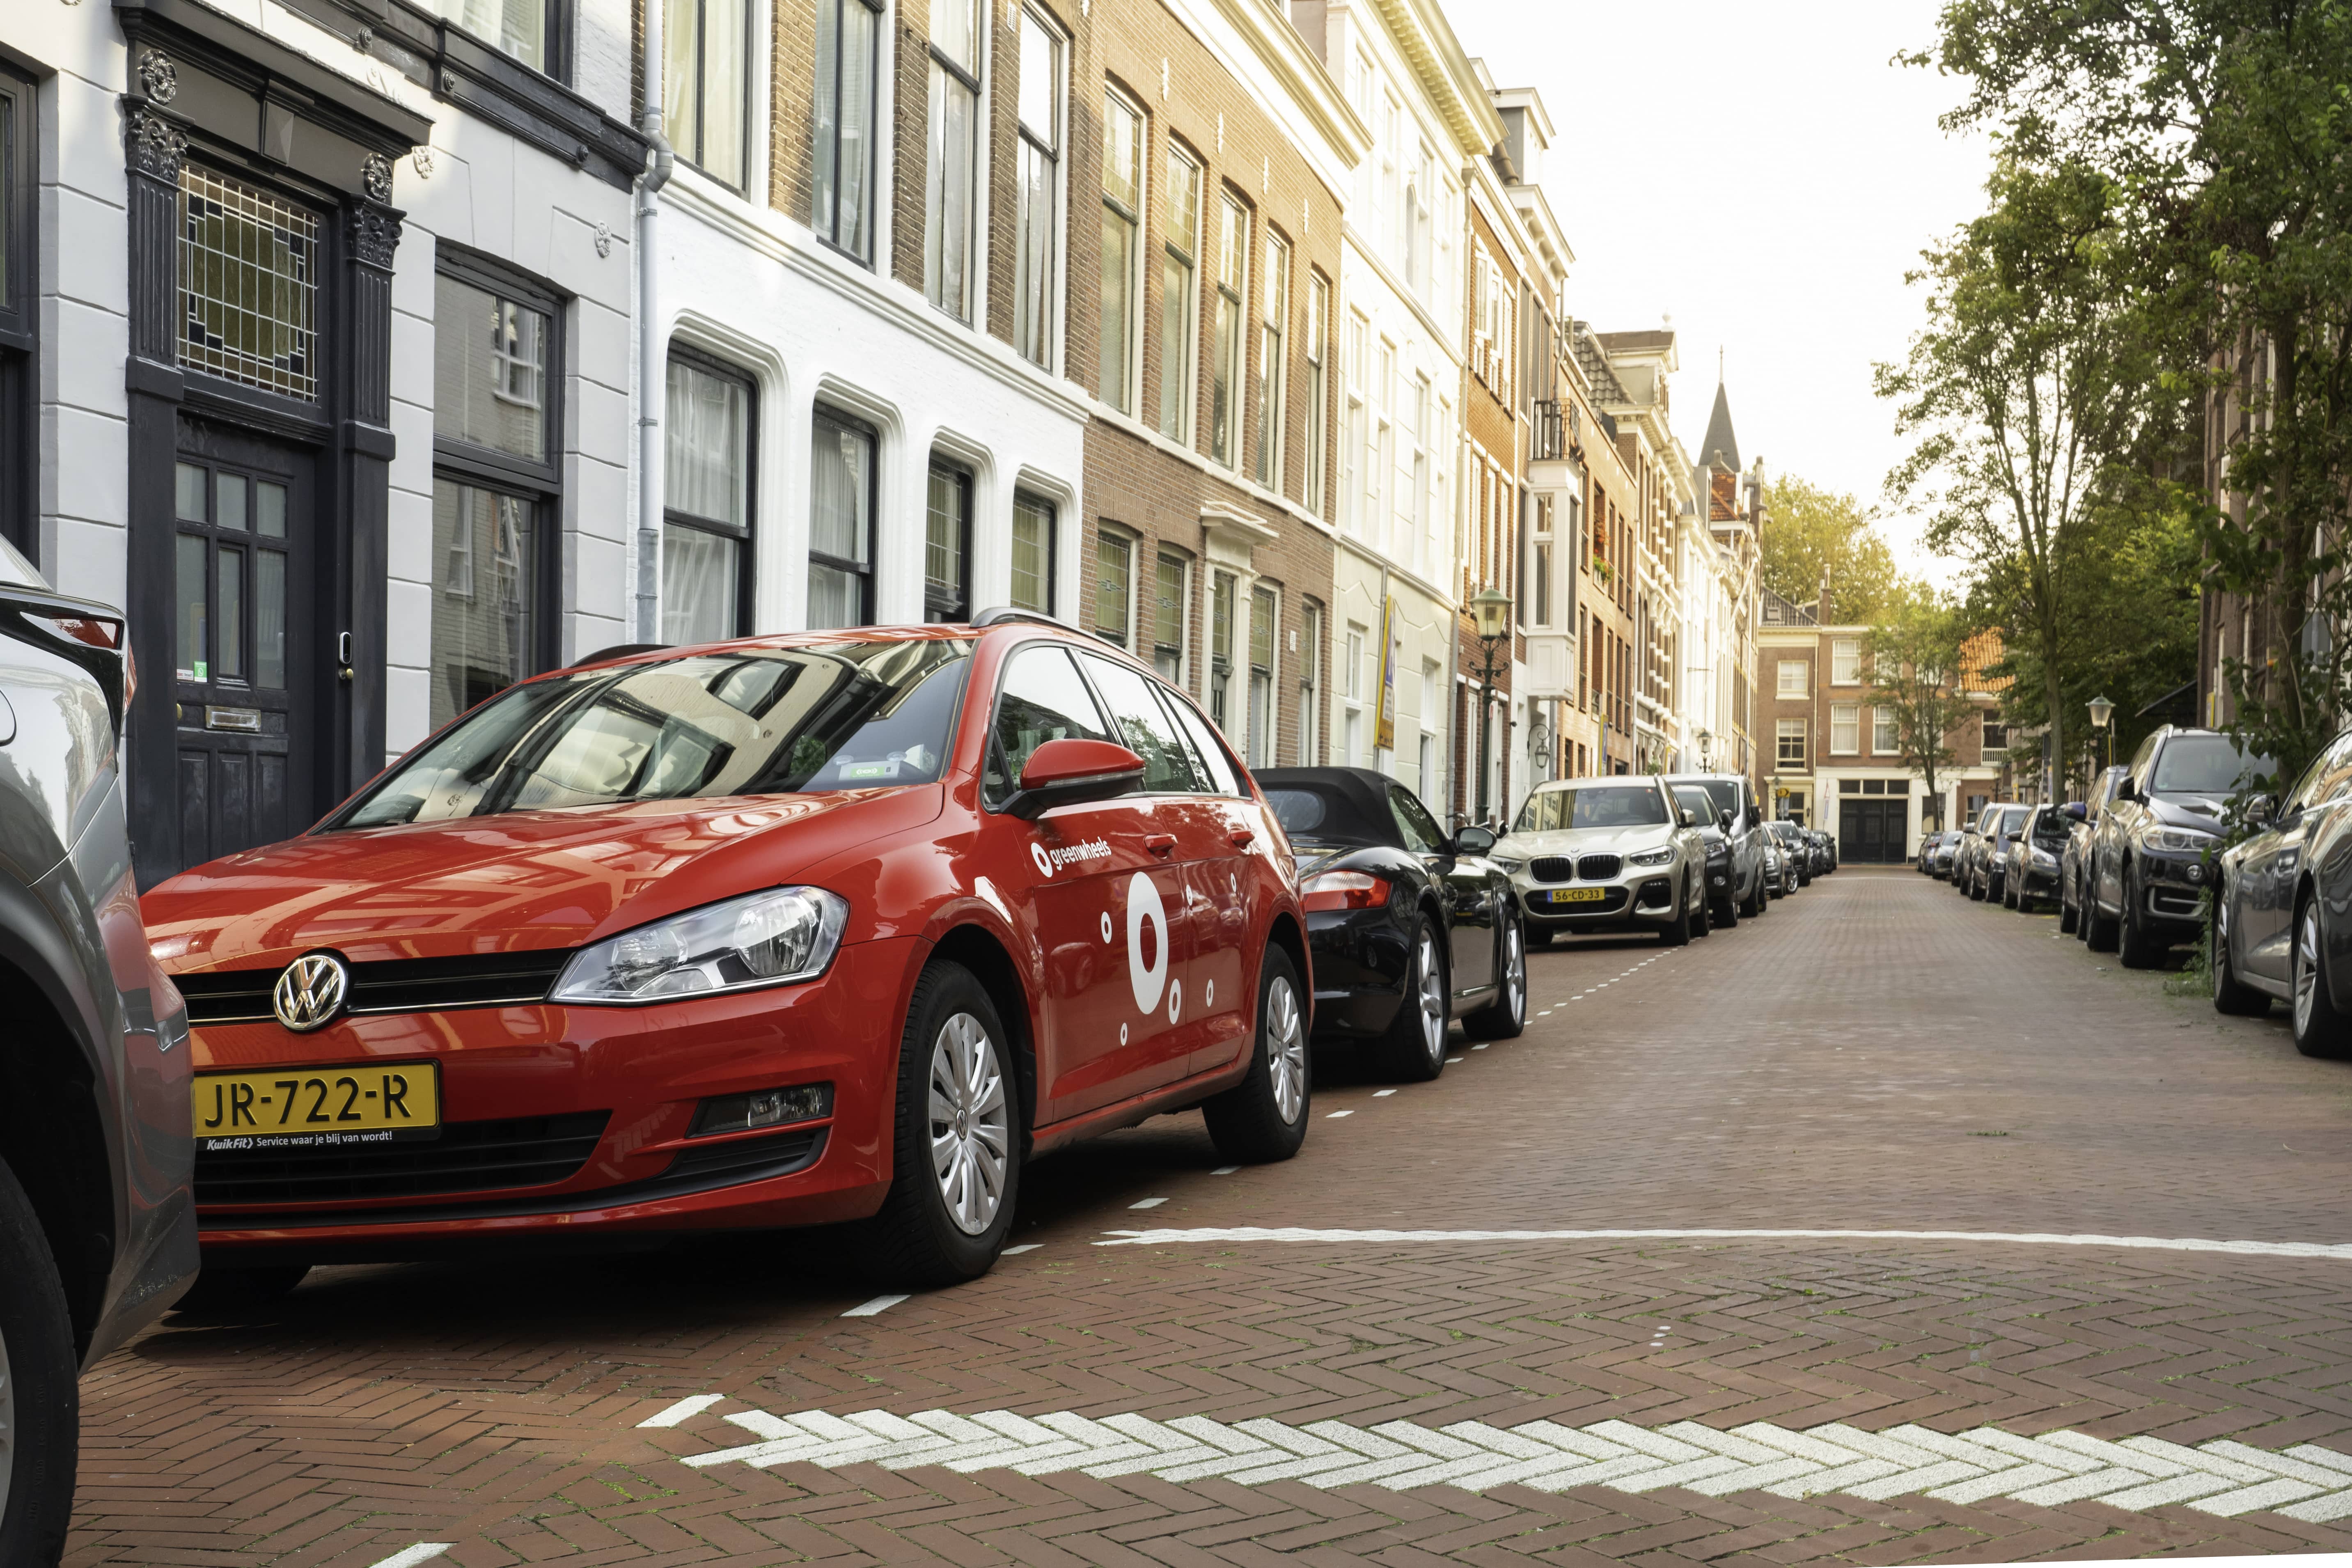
(2124, 791)
(1070, 773)
(1723, 820)
(2260, 810)
(1469, 840)
(1684, 813)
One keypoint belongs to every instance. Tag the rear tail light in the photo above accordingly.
(90, 630)
(1344, 890)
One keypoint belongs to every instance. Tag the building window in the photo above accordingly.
(1380, 454)
(1272, 361)
(1319, 390)
(1114, 586)
(1265, 621)
(1352, 675)
(950, 153)
(1221, 646)
(1310, 684)
(1845, 661)
(1996, 736)
(1418, 190)
(1792, 678)
(1171, 585)
(1413, 505)
(706, 501)
(1539, 566)
(848, 47)
(1033, 552)
(842, 453)
(19, 319)
(1356, 367)
(1035, 257)
(248, 282)
(947, 544)
(524, 29)
(1845, 729)
(1226, 376)
(1882, 732)
(1788, 735)
(495, 483)
(707, 50)
(1179, 274)
(1122, 226)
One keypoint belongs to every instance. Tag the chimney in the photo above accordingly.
(1822, 605)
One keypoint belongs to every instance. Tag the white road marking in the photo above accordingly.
(1225, 1170)
(868, 1309)
(1382, 1093)
(2338, 1250)
(693, 1405)
(1147, 1202)
(1025, 1246)
(1336, 1114)
(2304, 1483)
(423, 1551)
(1478, 1048)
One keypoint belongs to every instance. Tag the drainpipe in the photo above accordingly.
(650, 387)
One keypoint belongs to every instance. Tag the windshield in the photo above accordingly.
(1723, 793)
(2052, 824)
(2206, 764)
(1593, 805)
(1695, 800)
(847, 715)
(2010, 822)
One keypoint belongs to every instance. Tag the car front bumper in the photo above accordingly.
(513, 1075)
(1640, 899)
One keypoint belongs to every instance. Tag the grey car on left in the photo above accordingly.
(97, 1234)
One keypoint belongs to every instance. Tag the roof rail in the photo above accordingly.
(618, 650)
(1002, 614)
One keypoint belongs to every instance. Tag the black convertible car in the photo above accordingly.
(1411, 928)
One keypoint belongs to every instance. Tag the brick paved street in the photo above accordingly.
(1876, 1055)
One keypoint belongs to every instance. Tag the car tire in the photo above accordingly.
(1702, 911)
(2319, 1023)
(1414, 1048)
(1725, 912)
(2230, 995)
(1263, 1118)
(2137, 947)
(1678, 931)
(2098, 927)
(2010, 898)
(1507, 1015)
(940, 1224)
(2069, 917)
(40, 1414)
(1757, 899)
(222, 1288)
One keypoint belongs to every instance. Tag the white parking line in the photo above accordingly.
(1382, 1093)
(1336, 1114)
(868, 1309)
(423, 1551)
(1025, 1246)
(1225, 1170)
(1147, 1202)
(2337, 1251)
(693, 1405)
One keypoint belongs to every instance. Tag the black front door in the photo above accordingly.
(246, 643)
(1872, 832)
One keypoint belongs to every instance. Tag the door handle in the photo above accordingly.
(1243, 837)
(1160, 843)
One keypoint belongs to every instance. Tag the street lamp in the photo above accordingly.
(1490, 616)
(2101, 712)
(1706, 753)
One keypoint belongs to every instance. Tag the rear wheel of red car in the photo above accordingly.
(40, 1424)
(1264, 1118)
(955, 1169)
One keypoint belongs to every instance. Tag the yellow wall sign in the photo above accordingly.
(1384, 733)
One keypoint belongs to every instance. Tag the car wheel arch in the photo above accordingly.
(59, 1155)
(982, 952)
(1284, 932)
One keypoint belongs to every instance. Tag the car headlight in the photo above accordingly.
(1508, 865)
(771, 938)
(1652, 856)
(2179, 840)
(2043, 857)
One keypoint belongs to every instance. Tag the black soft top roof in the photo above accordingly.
(1355, 803)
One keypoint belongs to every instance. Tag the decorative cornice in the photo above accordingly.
(1430, 48)
(156, 147)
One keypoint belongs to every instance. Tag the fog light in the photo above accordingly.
(1717, 879)
(762, 1108)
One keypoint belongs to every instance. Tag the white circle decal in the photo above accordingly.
(1122, 1034)
(1106, 925)
(1044, 861)
(1175, 1000)
(1144, 908)
(1209, 994)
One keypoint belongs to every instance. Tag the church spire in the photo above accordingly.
(1721, 444)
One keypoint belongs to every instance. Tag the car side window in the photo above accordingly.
(1422, 834)
(1214, 768)
(1144, 728)
(1041, 699)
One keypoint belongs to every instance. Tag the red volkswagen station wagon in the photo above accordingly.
(838, 926)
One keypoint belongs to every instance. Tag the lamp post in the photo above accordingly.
(1490, 614)
(2101, 712)
(1706, 753)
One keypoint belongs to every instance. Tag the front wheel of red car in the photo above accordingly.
(1264, 1118)
(956, 1149)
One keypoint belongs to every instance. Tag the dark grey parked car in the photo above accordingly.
(97, 1236)
(2073, 867)
(1988, 852)
(2150, 856)
(1733, 796)
(2278, 920)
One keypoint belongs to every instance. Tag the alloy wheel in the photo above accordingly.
(2306, 967)
(1515, 975)
(1286, 1050)
(970, 1123)
(1430, 998)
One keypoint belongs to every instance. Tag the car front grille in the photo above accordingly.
(1600, 868)
(1552, 869)
(389, 985)
(468, 1157)
(747, 1157)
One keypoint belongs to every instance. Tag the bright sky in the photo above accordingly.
(1764, 176)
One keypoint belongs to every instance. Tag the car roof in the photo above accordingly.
(1362, 790)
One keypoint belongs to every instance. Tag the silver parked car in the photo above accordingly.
(1607, 855)
(97, 1234)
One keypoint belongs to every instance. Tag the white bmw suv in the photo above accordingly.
(1607, 855)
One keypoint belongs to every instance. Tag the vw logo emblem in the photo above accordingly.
(311, 992)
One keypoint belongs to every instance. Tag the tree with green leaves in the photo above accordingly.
(2029, 394)
(1915, 652)
(1811, 536)
(2226, 124)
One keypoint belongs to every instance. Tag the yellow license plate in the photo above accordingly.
(1579, 895)
(351, 1106)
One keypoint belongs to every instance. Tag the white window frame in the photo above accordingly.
(1845, 661)
(1035, 293)
(948, 74)
(1135, 214)
(1886, 737)
(1319, 391)
(1783, 731)
(1846, 730)
(1274, 362)
(1798, 688)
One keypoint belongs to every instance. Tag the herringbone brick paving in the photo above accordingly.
(1829, 1068)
